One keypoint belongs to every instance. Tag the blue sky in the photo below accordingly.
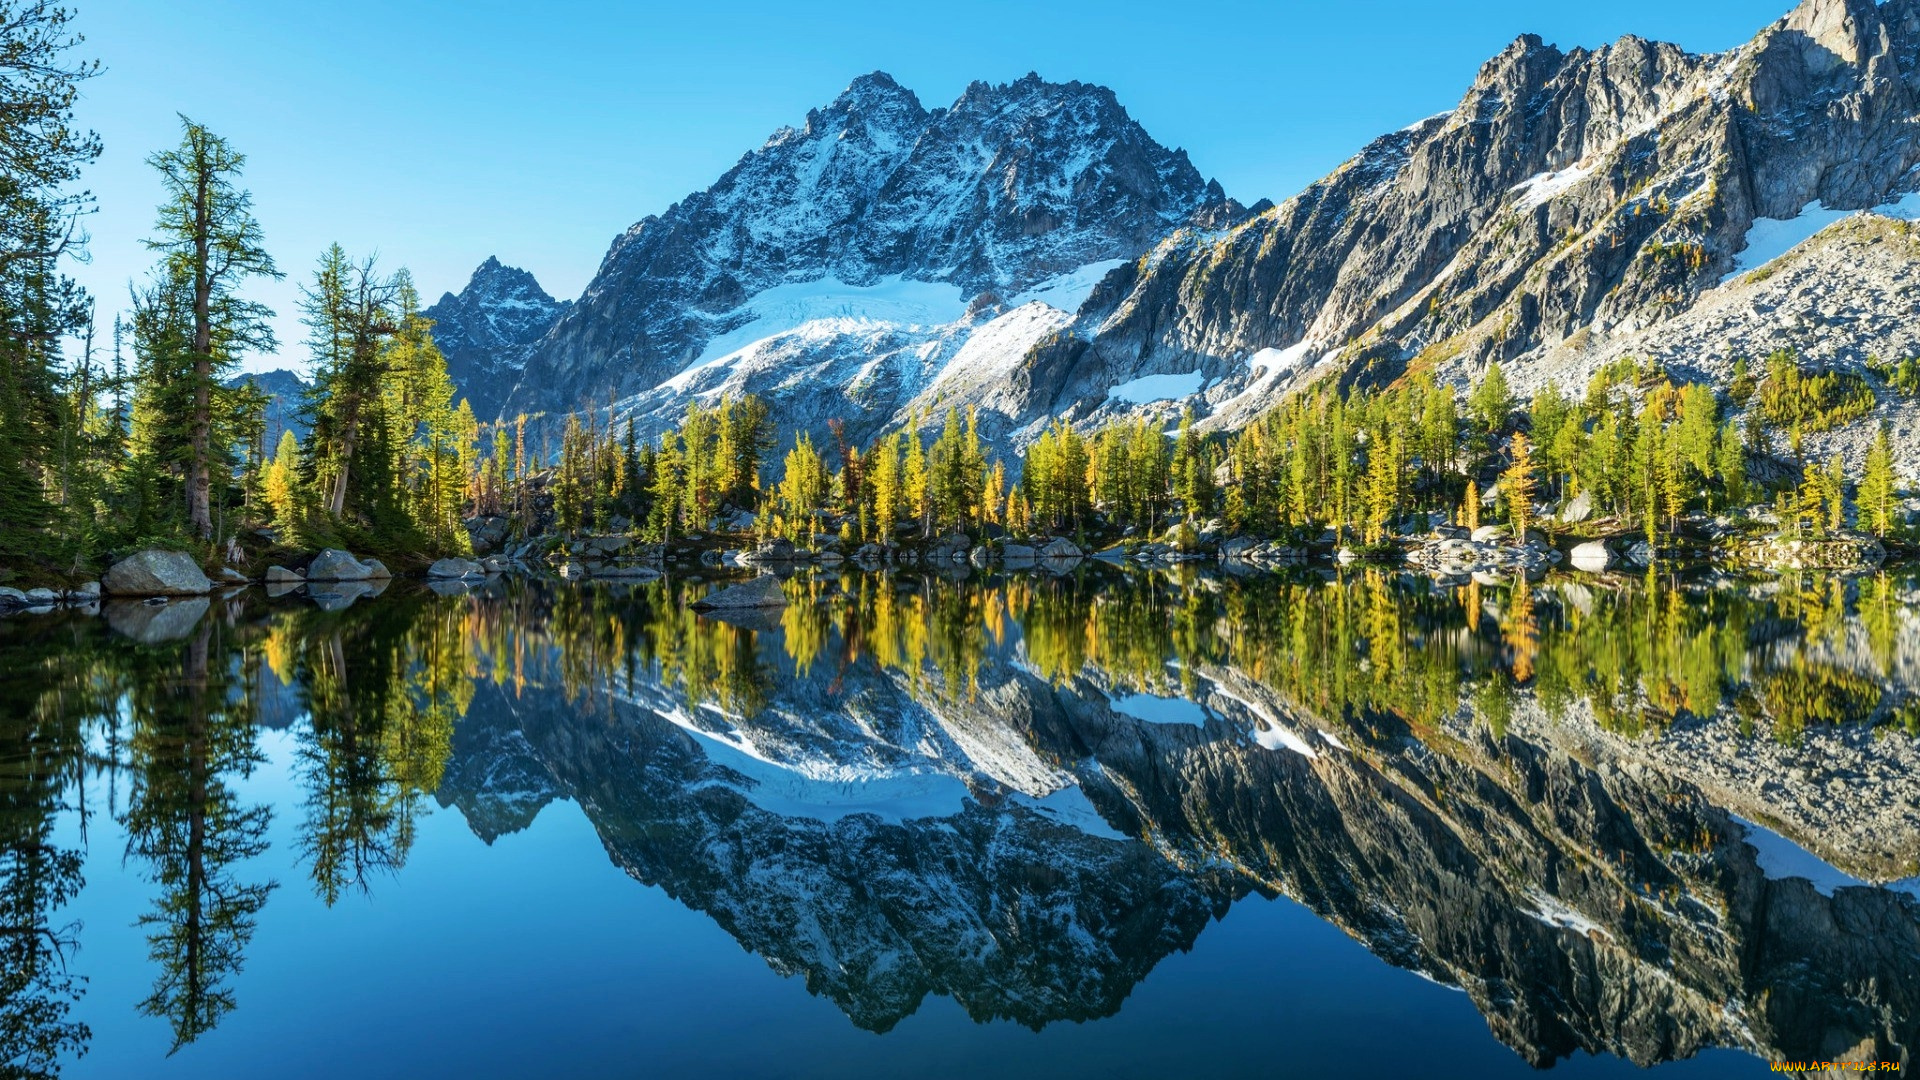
(436, 134)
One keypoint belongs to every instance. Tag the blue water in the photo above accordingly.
(827, 845)
(536, 956)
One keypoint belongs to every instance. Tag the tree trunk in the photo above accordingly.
(337, 501)
(199, 471)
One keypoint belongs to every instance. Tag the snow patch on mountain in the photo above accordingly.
(1150, 388)
(1070, 290)
(1770, 238)
(893, 301)
(1537, 191)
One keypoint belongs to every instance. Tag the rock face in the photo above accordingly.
(886, 250)
(336, 565)
(156, 573)
(761, 592)
(487, 330)
(1575, 205)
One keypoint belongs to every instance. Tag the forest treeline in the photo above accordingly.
(137, 433)
(1638, 448)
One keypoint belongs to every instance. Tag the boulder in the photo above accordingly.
(486, 533)
(1061, 548)
(41, 597)
(761, 592)
(280, 575)
(1489, 534)
(1580, 509)
(455, 568)
(1238, 547)
(336, 565)
(1594, 557)
(85, 593)
(778, 549)
(376, 570)
(156, 573)
(229, 576)
(12, 597)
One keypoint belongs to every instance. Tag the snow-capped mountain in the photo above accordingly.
(1573, 204)
(846, 262)
(1031, 251)
(487, 330)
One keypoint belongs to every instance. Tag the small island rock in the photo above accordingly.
(761, 592)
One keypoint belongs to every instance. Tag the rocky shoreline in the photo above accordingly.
(1451, 555)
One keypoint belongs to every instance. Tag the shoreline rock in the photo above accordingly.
(156, 573)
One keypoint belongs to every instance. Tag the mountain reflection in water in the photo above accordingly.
(1579, 801)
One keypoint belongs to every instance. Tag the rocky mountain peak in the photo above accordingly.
(1842, 29)
(494, 282)
(1009, 187)
(487, 329)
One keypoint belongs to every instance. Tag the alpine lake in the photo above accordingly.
(1108, 822)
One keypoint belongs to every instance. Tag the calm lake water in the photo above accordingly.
(1111, 824)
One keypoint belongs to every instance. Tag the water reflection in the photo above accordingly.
(1024, 793)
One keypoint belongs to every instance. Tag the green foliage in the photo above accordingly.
(1792, 396)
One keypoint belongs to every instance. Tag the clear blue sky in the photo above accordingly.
(440, 133)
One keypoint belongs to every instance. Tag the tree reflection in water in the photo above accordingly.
(1408, 761)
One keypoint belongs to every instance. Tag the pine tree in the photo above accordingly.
(1492, 401)
(40, 210)
(917, 485)
(211, 241)
(1876, 492)
(348, 311)
(280, 488)
(1730, 464)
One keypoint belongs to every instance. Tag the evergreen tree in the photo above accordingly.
(1876, 492)
(40, 213)
(349, 314)
(1492, 400)
(212, 244)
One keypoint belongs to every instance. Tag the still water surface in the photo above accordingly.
(1105, 825)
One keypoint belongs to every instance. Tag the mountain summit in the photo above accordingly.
(488, 328)
(1011, 186)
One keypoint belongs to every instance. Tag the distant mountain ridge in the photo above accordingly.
(286, 397)
(1031, 252)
